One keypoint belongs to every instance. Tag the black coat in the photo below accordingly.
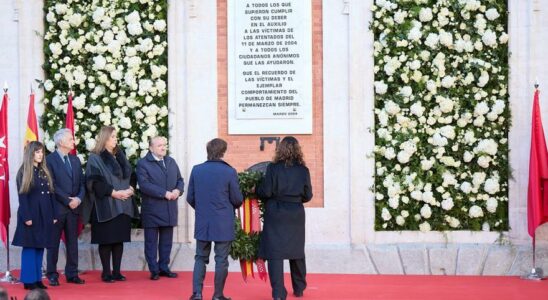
(39, 206)
(154, 181)
(284, 189)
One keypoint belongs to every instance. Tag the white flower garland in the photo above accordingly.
(114, 55)
(442, 116)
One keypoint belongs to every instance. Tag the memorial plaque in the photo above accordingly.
(269, 66)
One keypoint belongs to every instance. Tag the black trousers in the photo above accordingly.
(67, 223)
(276, 275)
(158, 243)
(203, 249)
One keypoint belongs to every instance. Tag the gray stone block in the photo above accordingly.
(470, 259)
(499, 260)
(348, 260)
(386, 259)
(134, 257)
(443, 260)
(414, 260)
(524, 260)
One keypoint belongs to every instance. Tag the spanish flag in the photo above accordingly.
(32, 124)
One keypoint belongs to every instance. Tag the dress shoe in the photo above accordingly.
(29, 286)
(221, 298)
(118, 277)
(196, 297)
(168, 274)
(40, 285)
(53, 281)
(107, 278)
(154, 276)
(76, 280)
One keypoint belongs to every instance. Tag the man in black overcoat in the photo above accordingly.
(161, 185)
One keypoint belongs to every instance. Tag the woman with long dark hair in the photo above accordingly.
(36, 214)
(109, 206)
(284, 189)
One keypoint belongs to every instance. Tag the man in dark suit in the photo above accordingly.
(68, 181)
(214, 193)
(161, 185)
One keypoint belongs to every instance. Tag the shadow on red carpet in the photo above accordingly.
(320, 286)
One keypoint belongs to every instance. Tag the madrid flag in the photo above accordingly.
(4, 172)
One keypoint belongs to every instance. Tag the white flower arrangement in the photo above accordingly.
(113, 55)
(442, 115)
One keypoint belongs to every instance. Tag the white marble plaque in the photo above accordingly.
(269, 67)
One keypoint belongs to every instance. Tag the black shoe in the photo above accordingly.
(118, 277)
(107, 278)
(40, 285)
(76, 280)
(168, 274)
(196, 297)
(154, 276)
(53, 281)
(31, 286)
(221, 298)
(298, 294)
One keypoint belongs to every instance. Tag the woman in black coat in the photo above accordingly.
(109, 206)
(36, 214)
(284, 189)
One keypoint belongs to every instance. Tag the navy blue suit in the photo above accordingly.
(214, 193)
(158, 214)
(66, 184)
(37, 206)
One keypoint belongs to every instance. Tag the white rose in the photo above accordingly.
(79, 102)
(98, 15)
(415, 33)
(124, 122)
(75, 20)
(406, 91)
(484, 161)
(390, 153)
(492, 205)
(426, 211)
(99, 62)
(380, 87)
(425, 227)
(475, 212)
(133, 17)
(399, 16)
(400, 220)
(385, 214)
(468, 156)
(417, 109)
(48, 85)
(56, 49)
(446, 38)
(61, 8)
(432, 40)
(488, 146)
(160, 25)
(503, 38)
(447, 204)
(427, 164)
(466, 187)
(393, 202)
(90, 144)
(431, 86)
(425, 14)
(134, 29)
(446, 105)
(417, 195)
(391, 108)
(50, 17)
(453, 222)
(481, 109)
(448, 82)
(489, 38)
(492, 185)
(492, 14)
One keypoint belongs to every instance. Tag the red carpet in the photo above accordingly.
(320, 286)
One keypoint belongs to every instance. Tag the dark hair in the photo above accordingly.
(37, 294)
(289, 151)
(26, 171)
(216, 149)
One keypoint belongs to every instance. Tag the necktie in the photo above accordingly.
(67, 165)
(162, 163)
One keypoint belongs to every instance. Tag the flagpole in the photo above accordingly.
(536, 273)
(7, 276)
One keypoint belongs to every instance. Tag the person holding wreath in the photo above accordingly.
(284, 189)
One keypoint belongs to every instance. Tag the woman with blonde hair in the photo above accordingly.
(284, 189)
(36, 215)
(110, 205)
